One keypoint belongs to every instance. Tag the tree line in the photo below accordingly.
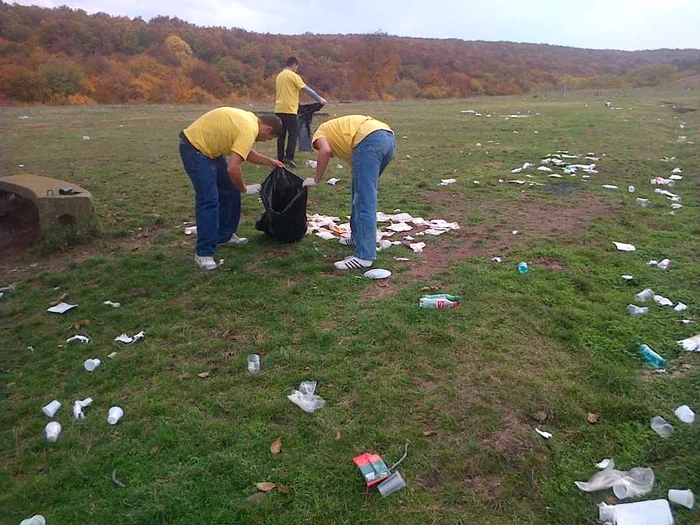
(65, 56)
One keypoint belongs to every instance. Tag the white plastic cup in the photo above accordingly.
(664, 264)
(685, 414)
(51, 409)
(254, 363)
(51, 431)
(682, 497)
(114, 415)
(636, 311)
(91, 364)
(630, 189)
(661, 427)
(393, 483)
(644, 295)
(311, 164)
(37, 519)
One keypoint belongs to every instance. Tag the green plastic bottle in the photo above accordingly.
(651, 357)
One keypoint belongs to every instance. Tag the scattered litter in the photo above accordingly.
(377, 273)
(311, 164)
(660, 181)
(496, 259)
(305, 398)
(326, 235)
(663, 301)
(9, 288)
(636, 311)
(79, 338)
(680, 307)
(112, 355)
(664, 264)
(624, 247)
(37, 519)
(402, 259)
(644, 295)
(51, 431)
(441, 300)
(253, 363)
(609, 187)
(628, 278)
(372, 468)
(190, 230)
(643, 202)
(676, 177)
(339, 166)
(417, 247)
(114, 415)
(545, 169)
(91, 364)
(113, 305)
(85, 137)
(631, 189)
(515, 232)
(661, 427)
(605, 463)
(78, 407)
(685, 414)
(625, 484)
(686, 498)
(393, 483)
(650, 512)
(400, 227)
(61, 308)
(544, 434)
(651, 357)
(523, 267)
(124, 338)
(691, 344)
(333, 181)
(445, 182)
(51, 409)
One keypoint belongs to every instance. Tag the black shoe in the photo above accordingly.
(290, 163)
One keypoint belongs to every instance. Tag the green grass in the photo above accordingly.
(191, 449)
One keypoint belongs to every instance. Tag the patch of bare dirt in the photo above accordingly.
(550, 263)
(512, 439)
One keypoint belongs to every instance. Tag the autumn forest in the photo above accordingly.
(65, 56)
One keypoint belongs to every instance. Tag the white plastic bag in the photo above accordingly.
(305, 398)
(625, 484)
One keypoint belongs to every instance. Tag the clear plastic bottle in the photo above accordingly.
(651, 357)
(428, 302)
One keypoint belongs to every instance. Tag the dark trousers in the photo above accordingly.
(290, 127)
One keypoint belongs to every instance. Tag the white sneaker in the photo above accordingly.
(352, 263)
(235, 240)
(205, 262)
(347, 241)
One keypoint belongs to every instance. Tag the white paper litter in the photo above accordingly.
(326, 235)
(79, 338)
(402, 259)
(124, 338)
(417, 247)
(400, 227)
(377, 273)
(680, 307)
(190, 230)
(333, 181)
(650, 512)
(445, 182)
(61, 308)
(691, 344)
(624, 247)
(78, 407)
(603, 464)
(113, 305)
(433, 231)
(544, 434)
(663, 301)
(496, 259)
(112, 355)
(609, 187)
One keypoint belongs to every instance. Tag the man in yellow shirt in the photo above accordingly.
(288, 85)
(368, 145)
(218, 184)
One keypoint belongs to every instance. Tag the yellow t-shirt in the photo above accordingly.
(224, 130)
(288, 84)
(344, 133)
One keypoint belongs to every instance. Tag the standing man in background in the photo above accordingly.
(288, 84)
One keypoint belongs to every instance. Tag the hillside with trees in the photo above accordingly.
(65, 56)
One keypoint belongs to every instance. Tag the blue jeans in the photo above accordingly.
(369, 159)
(217, 200)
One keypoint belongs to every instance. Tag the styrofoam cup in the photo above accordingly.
(51, 409)
(91, 364)
(114, 415)
(682, 497)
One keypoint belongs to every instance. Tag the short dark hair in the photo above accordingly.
(291, 61)
(274, 122)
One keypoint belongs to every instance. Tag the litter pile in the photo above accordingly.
(562, 161)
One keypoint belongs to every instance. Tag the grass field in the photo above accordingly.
(542, 349)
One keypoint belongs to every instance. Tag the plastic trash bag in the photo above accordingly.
(284, 198)
(625, 484)
(305, 115)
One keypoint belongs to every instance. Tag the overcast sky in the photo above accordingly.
(596, 24)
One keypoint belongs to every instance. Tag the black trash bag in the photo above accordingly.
(284, 198)
(305, 115)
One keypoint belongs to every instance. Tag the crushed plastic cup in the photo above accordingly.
(682, 497)
(661, 427)
(644, 295)
(50, 409)
(393, 483)
(685, 414)
(91, 364)
(52, 431)
(37, 519)
(114, 415)
(254, 363)
(664, 264)
(636, 311)
(643, 202)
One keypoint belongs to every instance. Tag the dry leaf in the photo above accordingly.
(541, 416)
(430, 432)
(183, 376)
(276, 446)
(337, 435)
(204, 374)
(63, 296)
(382, 283)
(155, 449)
(592, 418)
(265, 486)
(256, 498)
(284, 489)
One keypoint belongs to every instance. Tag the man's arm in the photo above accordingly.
(324, 156)
(234, 171)
(313, 94)
(262, 160)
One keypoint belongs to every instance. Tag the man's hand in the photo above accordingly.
(252, 189)
(274, 163)
(308, 182)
